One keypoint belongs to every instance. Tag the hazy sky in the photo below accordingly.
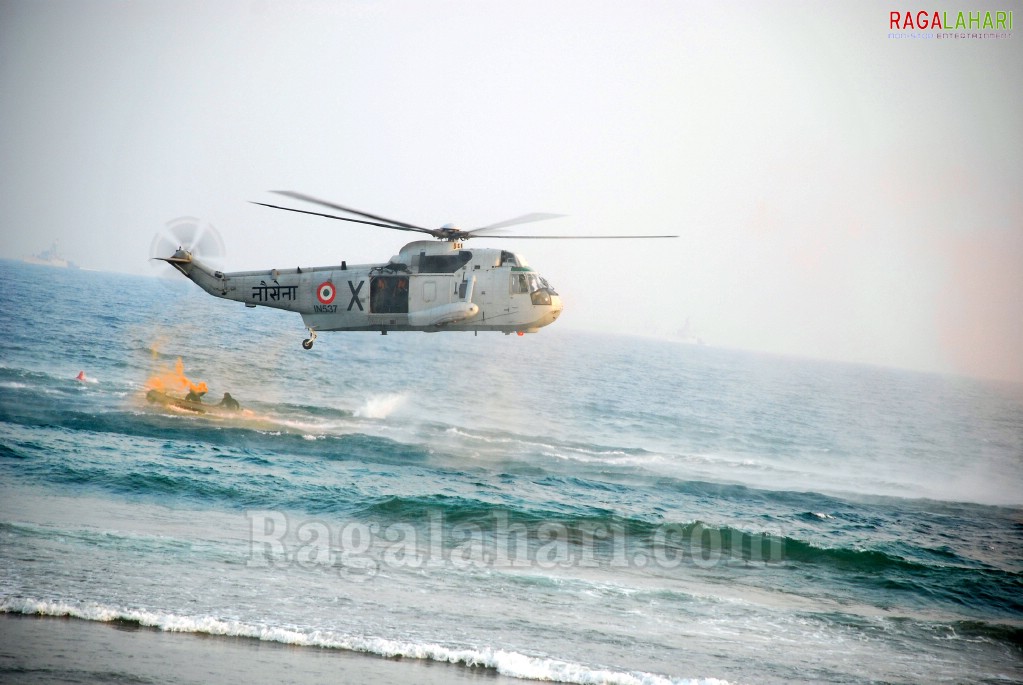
(839, 193)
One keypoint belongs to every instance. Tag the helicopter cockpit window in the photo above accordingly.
(540, 291)
(528, 282)
(444, 263)
(512, 259)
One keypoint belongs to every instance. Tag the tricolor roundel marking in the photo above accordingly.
(325, 292)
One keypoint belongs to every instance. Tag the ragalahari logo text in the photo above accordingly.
(956, 25)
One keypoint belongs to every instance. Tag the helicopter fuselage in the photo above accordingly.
(429, 286)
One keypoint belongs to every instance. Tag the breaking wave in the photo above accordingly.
(504, 662)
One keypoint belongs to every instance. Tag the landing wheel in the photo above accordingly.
(307, 344)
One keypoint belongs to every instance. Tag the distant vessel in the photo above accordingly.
(51, 257)
(687, 335)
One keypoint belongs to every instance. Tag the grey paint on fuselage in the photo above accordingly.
(478, 295)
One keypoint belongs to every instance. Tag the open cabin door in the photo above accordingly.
(388, 295)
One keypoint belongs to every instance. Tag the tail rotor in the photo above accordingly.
(187, 233)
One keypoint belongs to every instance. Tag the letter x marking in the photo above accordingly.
(355, 295)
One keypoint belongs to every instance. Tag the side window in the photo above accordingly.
(445, 263)
(519, 283)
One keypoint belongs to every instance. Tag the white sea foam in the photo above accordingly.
(381, 406)
(512, 664)
(562, 452)
(318, 428)
(454, 430)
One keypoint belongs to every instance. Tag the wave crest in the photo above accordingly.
(507, 663)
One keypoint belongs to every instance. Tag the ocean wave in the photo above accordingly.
(252, 432)
(305, 410)
(13, 385)
(505, 662)
(580, 451)
(605, 536)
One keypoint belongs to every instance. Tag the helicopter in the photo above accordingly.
(430, 285)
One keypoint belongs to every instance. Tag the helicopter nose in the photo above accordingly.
(556, 307)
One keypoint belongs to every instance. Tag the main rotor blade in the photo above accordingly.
(415, 229)
(576, 237)
(341, 208)
(524, 219)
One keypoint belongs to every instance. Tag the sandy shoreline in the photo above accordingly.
(36, 649)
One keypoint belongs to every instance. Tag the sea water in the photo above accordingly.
(568, 506)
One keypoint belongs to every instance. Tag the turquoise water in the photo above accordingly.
(570, 506)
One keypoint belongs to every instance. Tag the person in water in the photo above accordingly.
(194, 396)
(229, 402)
